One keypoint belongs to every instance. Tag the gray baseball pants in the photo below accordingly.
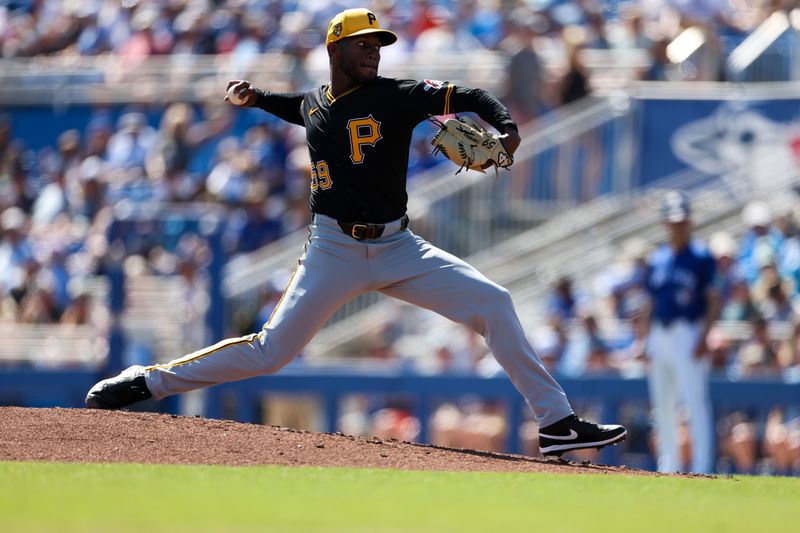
(336, 268)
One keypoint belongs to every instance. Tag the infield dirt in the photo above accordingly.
(82, 435)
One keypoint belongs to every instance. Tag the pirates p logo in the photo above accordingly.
(364, 131)
(337, 30)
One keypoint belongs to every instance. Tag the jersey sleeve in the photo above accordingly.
(485, 104)
(283, 105)
(433, 97)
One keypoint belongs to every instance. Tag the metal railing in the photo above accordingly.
(45, 346)
(162, 79)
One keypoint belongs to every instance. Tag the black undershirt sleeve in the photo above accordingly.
(283, 105)
(484, 104)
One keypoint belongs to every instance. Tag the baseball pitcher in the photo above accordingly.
(358, 128)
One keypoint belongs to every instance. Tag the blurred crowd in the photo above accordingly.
(529, 33)
(57, 203)
(158, 27)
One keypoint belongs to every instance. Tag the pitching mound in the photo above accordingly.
(82, 435)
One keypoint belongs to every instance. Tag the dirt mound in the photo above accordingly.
(82, 435)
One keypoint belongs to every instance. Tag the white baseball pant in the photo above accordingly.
(677, 377)
(336, 268)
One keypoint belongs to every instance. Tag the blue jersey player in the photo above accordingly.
(683, 306)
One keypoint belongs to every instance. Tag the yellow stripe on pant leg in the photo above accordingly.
(205, 353)
(228, 342)
(275, 309)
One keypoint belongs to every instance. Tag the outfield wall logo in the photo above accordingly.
(737, 137)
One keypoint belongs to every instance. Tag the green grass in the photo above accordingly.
(92, 497)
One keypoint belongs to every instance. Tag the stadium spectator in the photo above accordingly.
(16, 187)
(52, 200)
(446, 34)
(551, 341)
(38, 302)
(525, 73)
(757, 357)
(760, 242)
(229, 180)
(87, 190)
(132, 142)
(738, 442)
(98, 132)
(16, 252)
(395, 422)
(251, 226)
(660, 68)
(563, 300)
(770, 292)
(172, 151)
(723, 248)
(740, 304)
(5, 138)
(630, 357)
(575, 83)
(719, 349)
(586, 352)
(789, 355)
(596, 30)
(782, 441)
(79, 311)
(624, 280)
(471, 424)
(635, 34)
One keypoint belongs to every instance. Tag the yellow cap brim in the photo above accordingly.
(385, 36)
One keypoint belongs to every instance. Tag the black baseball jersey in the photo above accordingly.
(359, 141)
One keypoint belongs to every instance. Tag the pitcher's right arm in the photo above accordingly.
(283, 105)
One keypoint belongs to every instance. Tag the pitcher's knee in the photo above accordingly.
(273, 355)
(494, 307)
(497, 297)
(274, 365)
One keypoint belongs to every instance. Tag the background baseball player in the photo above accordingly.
(684, 304)
(358, 130)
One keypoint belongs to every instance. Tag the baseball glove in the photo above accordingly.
(464, 142)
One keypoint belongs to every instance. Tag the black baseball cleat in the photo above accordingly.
(120, 391)
(573, 433)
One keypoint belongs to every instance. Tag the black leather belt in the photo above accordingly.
(361, 231)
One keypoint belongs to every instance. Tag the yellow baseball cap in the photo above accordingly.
(351, 22)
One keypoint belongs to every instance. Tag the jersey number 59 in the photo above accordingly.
(320, 177)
